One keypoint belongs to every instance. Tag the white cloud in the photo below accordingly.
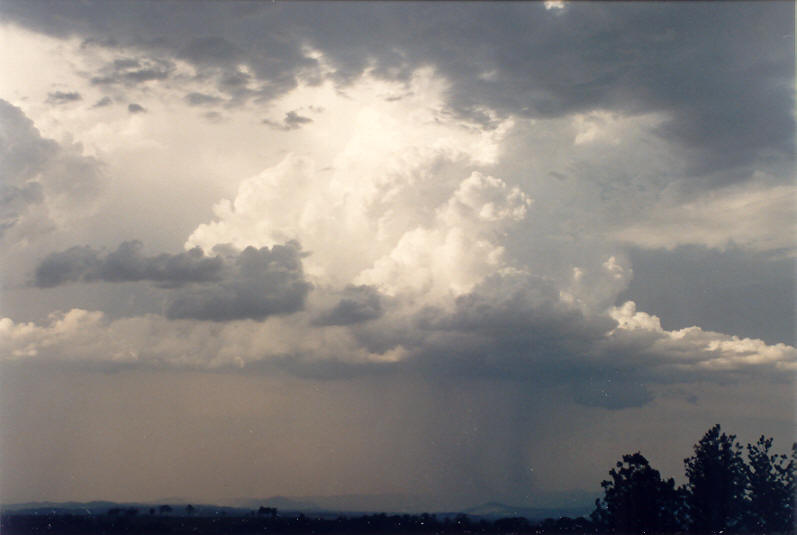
(693, 348)
(390, 208)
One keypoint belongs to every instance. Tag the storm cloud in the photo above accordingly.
(390, 247)
(727, 103)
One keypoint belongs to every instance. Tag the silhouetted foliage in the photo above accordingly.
(637, 500)
(717, 483)
(269, 511)
(771, 488)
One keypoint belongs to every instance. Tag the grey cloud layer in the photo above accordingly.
(265, 282)
(723, 73)
(510, 329)
(127, 264)
(253, 283)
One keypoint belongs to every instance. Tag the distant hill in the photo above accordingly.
(102, 507)
(495, 510)
(553, 505)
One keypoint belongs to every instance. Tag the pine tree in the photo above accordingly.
(770, 497)
(717, 484)
(637, 500)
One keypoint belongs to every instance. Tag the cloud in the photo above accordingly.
(728, 106)
(104, 101)
(127, 264)
(135, 108)
(358, 304)
(292, 121)
(752, 216)
(44, 184)
(736, 290)
(201, 99)
(510, 329)
(253, 283)
(263, 282)
(61, 97)
(133, 71)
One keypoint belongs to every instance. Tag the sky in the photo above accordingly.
(440, 253)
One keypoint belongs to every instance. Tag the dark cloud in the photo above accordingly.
(201, 99)
(259, 283)
(135, 108)
(358, 304)
(62, 97)
(253, 283)
(292, 121)
(211, 51)
(104, 101)
(511, 330)
(213, 116)
(126, 264)
(747, 293)
(131, 71)
(722, 73)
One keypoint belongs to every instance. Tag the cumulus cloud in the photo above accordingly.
(736, 290)
(132, 71)
(63, 97)
(127, 264)
(292, 121)
(44, 184)
(253, 283)
(202, 99)
(694, 349)
(104, 101)
(357, 304)
(398, 188)
(263, 282)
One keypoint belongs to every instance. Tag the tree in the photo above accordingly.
(270, 511)
(770, 497)
(717, 478)
(637, 500)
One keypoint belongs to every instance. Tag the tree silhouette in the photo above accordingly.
(270, 511)
(771, 494)
(637, 500)
(717, 478)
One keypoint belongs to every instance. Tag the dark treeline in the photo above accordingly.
(725, 493)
